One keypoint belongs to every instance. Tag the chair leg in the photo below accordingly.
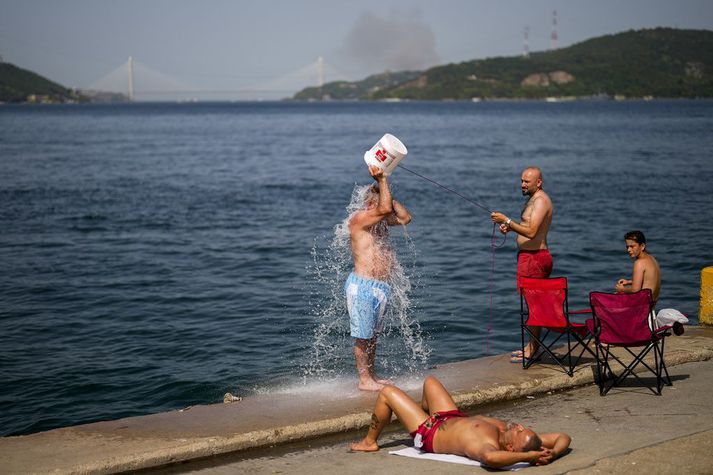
(567, 362)
(543, 348)
(629, 369)
(569, 355)
(522, 346)
(574, 360)
(585, 347)
(608, 373)
(659, 382)
(662, 370)
(658, 369)
(600, 368)
(663, 364)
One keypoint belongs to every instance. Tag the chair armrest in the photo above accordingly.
(571, 313)
(662, 331)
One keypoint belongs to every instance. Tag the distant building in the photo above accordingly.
(103, 96)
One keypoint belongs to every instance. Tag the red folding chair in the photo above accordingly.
(544, 304)
(626, 321)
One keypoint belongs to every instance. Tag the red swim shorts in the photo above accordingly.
(536, 264)
(426, 432)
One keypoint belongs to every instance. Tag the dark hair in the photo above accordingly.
(636, 236)
(533, 443)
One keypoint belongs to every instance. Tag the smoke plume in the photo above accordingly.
(396, 43)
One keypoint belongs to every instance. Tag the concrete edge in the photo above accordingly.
(213, 446)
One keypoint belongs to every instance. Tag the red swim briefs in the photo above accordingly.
(536, 264)
(423, 436)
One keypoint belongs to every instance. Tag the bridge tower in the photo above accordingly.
(320, 72)
(131, 79)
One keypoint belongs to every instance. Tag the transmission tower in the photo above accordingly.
(525, 42)
(553, 36)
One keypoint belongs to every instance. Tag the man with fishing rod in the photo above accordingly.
(533, 257)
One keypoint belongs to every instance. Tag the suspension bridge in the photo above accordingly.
(140, 82)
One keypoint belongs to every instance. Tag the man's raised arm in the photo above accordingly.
(399, 216)
(384, 207)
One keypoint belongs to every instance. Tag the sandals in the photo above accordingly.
(517, 357)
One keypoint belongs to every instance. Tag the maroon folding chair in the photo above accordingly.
(626, 321)
(544, 304)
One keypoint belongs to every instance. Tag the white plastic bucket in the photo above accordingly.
(386, 153)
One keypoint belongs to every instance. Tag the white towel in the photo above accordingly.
(420, 454)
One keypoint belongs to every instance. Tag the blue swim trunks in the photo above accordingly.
(366, 302)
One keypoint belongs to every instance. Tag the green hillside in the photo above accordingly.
(661, 62)
(345, 90)
(21, 85)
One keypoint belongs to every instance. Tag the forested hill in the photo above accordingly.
(661, 62)
(21, 85)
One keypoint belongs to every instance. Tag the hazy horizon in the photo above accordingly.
(247, 50)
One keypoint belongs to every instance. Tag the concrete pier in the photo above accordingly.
(271, 420)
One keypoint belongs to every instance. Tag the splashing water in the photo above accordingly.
(401, 346)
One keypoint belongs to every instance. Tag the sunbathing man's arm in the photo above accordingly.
(493, 457)
(557, 443)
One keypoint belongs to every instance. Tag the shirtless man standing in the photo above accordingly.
(367, 289)
(646, 273)
(533, 257)
(438, 427)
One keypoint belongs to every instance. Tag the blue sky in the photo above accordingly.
(269, 48)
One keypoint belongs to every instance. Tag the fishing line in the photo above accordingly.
(493, 247)
(447, 189)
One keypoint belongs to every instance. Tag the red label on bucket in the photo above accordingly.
(381, 155)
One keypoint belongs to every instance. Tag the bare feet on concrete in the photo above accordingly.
(364, 446)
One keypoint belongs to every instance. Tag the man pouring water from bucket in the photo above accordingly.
(367, 288)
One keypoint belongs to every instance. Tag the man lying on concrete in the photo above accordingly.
(438, 427)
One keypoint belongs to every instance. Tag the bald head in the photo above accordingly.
(518, 438)
(531, 181)
(536, 170)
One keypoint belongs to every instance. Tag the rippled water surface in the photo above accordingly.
(156, 256)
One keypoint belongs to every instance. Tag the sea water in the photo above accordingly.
(156, 256)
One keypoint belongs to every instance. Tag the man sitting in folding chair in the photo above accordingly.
(646, 273)
(625, 321)
(544, 305)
